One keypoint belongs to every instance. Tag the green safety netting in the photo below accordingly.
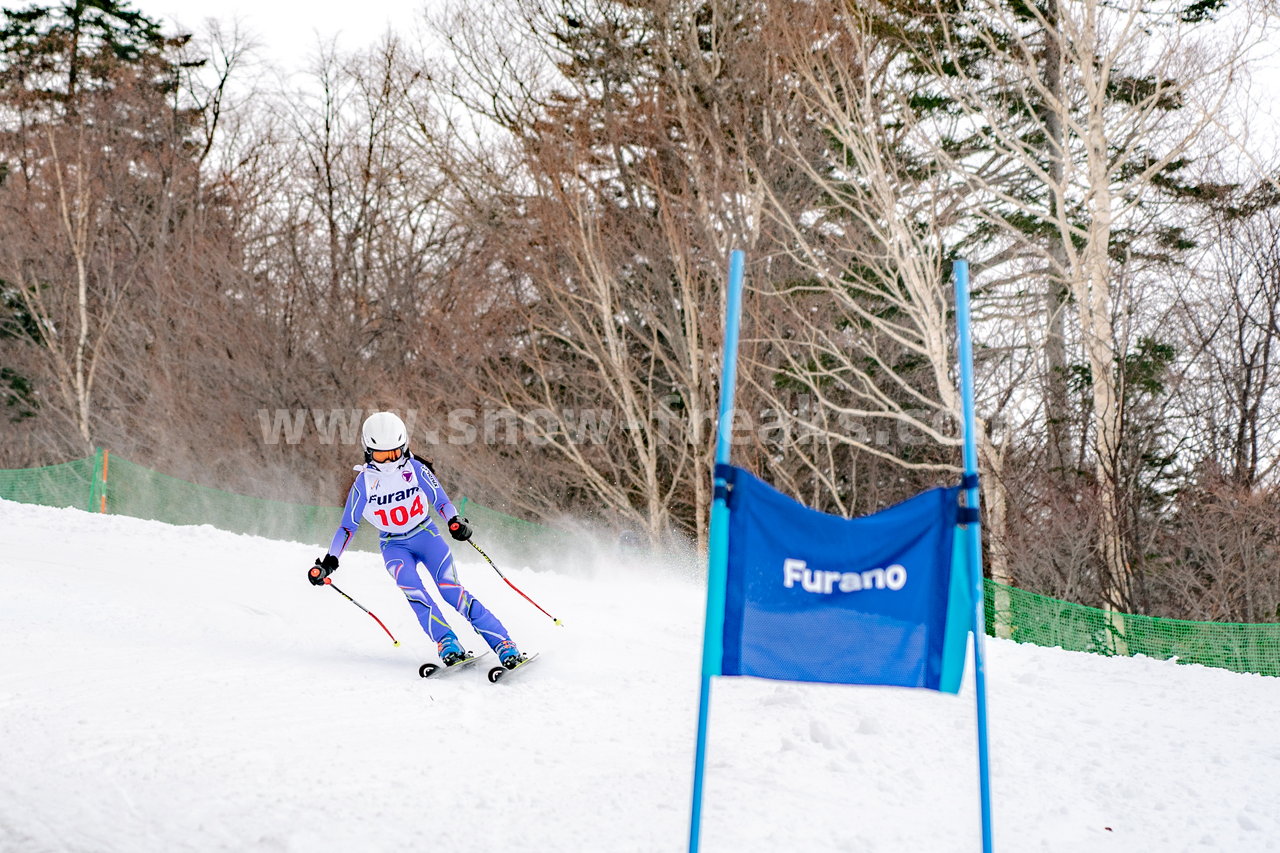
(73, 484)
(1030, 618)
(106, 483)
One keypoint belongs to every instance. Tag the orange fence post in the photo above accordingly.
(102, 500)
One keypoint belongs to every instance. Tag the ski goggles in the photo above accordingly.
(386, 455)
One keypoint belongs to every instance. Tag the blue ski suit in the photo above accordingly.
(394, 497)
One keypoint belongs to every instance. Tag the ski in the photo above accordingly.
(498, 673)
(429, 669)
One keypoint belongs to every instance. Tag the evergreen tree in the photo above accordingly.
(53, 53)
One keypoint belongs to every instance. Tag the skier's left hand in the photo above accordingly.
(459, 529)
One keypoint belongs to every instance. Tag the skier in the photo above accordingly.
(392, 491)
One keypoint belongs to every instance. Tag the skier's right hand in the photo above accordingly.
(324, 567)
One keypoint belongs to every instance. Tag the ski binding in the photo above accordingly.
(429, 669)
(497, 673)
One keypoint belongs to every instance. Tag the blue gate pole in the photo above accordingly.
(718, 536)
(973, 537)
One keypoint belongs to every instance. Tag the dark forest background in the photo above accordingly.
(519, 241)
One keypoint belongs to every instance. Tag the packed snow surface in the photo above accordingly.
(185, 689)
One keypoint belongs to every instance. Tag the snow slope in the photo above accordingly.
(185, 689)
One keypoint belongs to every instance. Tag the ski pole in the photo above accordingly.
(331, 584)
(513, 586)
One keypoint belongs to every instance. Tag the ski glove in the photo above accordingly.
(459, 529)
(322, 569)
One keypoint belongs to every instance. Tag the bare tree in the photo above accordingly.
(1133, 92)
(93, 151)
(1231, 317)
(629, 187)
(859, 318)
(1219, 547)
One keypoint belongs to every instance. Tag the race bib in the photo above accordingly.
(395, 502)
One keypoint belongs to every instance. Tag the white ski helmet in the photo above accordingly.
(383, 431)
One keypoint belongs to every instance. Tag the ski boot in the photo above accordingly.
(508, 655)
(451, 650)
